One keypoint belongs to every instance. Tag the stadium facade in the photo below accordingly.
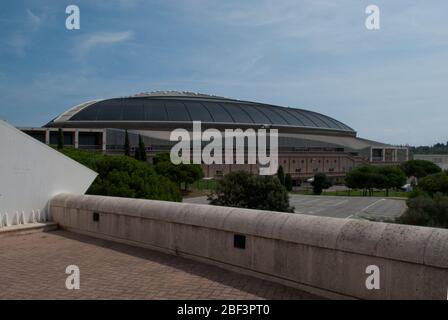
(308, 143)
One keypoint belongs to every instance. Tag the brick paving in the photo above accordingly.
(33, 267)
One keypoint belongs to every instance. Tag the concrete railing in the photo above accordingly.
(327, 256)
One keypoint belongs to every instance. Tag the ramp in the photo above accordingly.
(31, 173)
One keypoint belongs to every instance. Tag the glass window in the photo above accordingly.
(88, 139)
(38, 135)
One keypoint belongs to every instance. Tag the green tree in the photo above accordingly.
(369, 178)
(192, 173)
(244, 190)
(137, 154)
(392, 178)
(281, 175)
(122, 176)
(127, 146)
(426, 211)
(288, 182)
(320, 183)
(60, 139)
(434, 183)
(140, 153)
(419, 168)
(185, 174)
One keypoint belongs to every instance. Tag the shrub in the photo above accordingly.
(434, 183)
(122, 176)
(426, 211)
(244, 190)
(320, 183)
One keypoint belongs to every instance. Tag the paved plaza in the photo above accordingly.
(340, 207)
(33, 266)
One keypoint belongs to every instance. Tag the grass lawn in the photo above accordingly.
(205, 184)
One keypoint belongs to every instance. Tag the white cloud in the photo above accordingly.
(34, 19)
(18, 42)
(91, 41)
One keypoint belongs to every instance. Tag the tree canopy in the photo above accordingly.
(140, 151)
(419, 168)
(426, 211)
(375, 177)
(180, 174)
(434, 183)
(122, 176)
(244, 190)
(127, 145)
(281, 175)
(320, 183)
(288, 182)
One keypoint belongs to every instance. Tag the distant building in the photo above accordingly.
(439, 159)
(309, 142)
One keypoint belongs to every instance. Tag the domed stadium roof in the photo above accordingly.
(184, 107)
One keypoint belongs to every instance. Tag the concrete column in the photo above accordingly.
(76, 138)
(384, 154)
(104, 140)
(47, 136)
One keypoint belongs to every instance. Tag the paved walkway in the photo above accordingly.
(33, 267)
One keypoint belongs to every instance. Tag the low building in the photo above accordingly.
(439, 159)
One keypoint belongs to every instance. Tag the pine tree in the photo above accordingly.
(137, 154)
(141, 149)
(281, 175)
(288, 182)
(60, 139)
(127, 147)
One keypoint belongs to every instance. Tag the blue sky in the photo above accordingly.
(390, 85)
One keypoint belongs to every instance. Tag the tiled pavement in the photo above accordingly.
(33, 267)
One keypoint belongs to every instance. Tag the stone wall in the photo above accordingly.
(326, 256)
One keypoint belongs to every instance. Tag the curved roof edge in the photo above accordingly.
(65, 116)
(326, 122)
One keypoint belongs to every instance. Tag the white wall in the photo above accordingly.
(31, 173)
(439, 159)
